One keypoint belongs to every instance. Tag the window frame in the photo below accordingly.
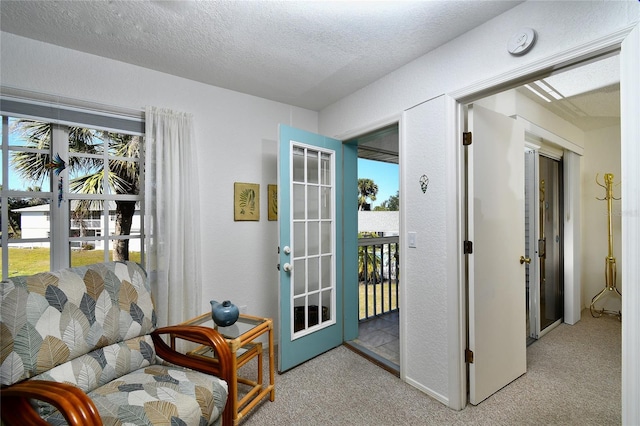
(59, 238)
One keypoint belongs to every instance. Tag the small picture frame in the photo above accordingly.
(246, 201)
(272, 202)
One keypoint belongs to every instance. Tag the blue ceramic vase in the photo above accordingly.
(224, 314)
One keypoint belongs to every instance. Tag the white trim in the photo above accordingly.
(549, 328)
(551, 152)
(433, 394)
(456, 298)
(538, 131)
(546, 66)
(572, 237)
(631, 246)
(71, 104)
(403, 245)
(70, 112)
(59, 210)
(532, 179)
(630, 159)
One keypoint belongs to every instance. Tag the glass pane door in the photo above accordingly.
(313, 274)
(544, 245)
(550, 243)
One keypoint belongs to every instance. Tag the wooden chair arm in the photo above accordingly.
(204, 336)
(76, 407)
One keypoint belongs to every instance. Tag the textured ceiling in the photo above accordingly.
(304, 53)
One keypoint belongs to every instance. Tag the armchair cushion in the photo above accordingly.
(53, 317)
(157, 395)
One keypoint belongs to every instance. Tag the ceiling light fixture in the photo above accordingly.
(528, 86)
(550, 90)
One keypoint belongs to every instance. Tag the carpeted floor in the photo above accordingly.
(573, 378)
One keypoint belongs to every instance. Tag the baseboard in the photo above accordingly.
(435, 395)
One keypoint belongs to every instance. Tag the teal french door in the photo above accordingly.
(312, 245)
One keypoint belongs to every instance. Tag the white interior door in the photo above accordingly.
(496, 276)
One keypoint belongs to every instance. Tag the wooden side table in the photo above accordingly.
(241, 338)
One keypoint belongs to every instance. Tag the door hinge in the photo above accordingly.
(468, 356)
(466, 138)
(467, 247)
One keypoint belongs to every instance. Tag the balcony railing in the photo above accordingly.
(378, 268)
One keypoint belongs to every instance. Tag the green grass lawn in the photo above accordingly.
(31, 261)
(23, 261)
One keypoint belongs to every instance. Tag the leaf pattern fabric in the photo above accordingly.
(145, 397)
(58, 316)
(90, 326)
(55, 297)
(27, 342)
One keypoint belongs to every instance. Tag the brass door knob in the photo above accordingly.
(525, 260)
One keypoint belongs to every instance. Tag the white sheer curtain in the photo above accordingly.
(172, 215)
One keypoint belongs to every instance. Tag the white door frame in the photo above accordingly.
(628, 40)
(571, 223)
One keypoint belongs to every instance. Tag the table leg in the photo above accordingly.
(233, 387)
(272, 397)
(260, 365)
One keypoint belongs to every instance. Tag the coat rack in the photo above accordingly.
(610, 269)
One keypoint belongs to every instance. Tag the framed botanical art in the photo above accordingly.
(246, 201)
(272, 202)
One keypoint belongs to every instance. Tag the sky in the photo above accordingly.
(15, 182)
(385, 175)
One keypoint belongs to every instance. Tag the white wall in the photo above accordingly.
(236, 136)
(474, 57)
(247, 124)
(602, 155)
(425, 267)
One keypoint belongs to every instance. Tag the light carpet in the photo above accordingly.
(573, 378)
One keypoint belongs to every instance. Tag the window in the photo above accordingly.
(60, 184)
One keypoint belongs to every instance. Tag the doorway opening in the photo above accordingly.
(544, 242)
(582, 104)
(378, 248)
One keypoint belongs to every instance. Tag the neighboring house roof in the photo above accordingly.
(46, 207)
(39, 208)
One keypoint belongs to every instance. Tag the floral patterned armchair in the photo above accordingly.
(80, 346)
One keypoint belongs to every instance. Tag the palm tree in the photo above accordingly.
(367, 189)
(123, 176)
(368, 261)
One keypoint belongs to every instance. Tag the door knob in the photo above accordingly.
(287, 267)
(525, 260)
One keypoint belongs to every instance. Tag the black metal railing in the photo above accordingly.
(378, 280)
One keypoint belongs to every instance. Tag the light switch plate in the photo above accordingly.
(412, 239)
